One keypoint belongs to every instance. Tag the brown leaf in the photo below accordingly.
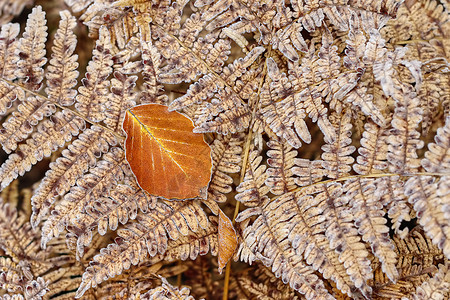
(167, 158)
(227, 240)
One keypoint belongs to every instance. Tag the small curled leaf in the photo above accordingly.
(227, 240)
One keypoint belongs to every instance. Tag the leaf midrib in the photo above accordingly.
(157, 141)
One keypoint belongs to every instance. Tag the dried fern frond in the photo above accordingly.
(266, 240)
(167, 291)
(28, 271)
(369, 220)
(31, 50)
(336, 158)
(372, 153)
(438, 287)
(9, 47)
(12, 8)
(404, 140)
(147, 235)
(62, 71)
(73, 163)
(414, 269)
(423, 192)
(90, 186)
(93, 94)
(281, 162)
(259, 282)
(226, 151)
(424, 26)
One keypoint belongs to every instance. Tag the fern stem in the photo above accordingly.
(246, 149)
(246, 152)
(368, 176)
(419, 41)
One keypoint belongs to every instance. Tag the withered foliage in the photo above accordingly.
(328, 121)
